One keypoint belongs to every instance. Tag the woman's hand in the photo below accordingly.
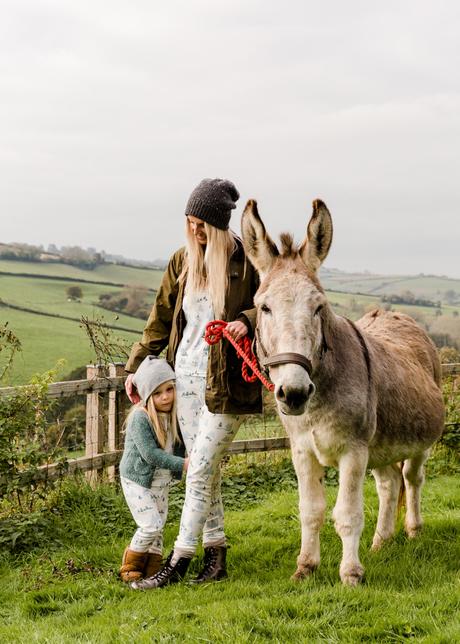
(186, 462)
(237, 329)
(131, 390)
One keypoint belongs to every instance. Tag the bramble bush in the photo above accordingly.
(24, 447)
(451, 391)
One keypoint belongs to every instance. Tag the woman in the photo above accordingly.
(210, 278)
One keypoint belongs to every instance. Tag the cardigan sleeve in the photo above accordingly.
(144, 439)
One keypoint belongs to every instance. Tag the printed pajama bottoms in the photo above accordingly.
(149, 507)
(207, 437)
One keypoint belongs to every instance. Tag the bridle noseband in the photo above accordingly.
(279, 358)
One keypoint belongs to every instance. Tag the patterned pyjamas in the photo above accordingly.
(149, 507)
(206, 437)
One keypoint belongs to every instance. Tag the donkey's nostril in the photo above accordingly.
(311, 390)
(295, 397)
(280, 394)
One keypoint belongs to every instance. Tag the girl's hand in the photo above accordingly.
(131, 390)
(186, 462)
(237, 329)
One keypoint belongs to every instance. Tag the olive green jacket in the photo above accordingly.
(226, 391)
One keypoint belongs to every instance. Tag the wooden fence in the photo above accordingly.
(101, 381)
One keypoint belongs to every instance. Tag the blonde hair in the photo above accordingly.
(161, 432)
(206, 268)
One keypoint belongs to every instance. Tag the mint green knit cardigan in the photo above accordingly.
(142, 455)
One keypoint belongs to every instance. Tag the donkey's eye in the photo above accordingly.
(265, 308)
(318, 309)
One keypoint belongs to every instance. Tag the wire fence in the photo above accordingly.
(86, 425)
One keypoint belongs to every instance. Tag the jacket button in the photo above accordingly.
(208, 387)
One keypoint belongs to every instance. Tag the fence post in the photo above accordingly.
(117, 406)
(94, 423)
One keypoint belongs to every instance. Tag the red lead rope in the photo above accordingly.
(214, 332)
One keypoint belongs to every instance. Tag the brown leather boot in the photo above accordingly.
(214, 565)
(132, 565)
(153, 564)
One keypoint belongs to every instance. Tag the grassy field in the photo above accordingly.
(429, 286)
(105, 273)
(49, 296)
(66, 590)
(46, 340)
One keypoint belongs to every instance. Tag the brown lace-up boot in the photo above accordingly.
(214, 565)
(153, 564)
(132, 565)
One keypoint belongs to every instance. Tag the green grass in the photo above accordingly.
(430, 286)
(68, 591)
(48, 296)
(105, 273)
(46, 340)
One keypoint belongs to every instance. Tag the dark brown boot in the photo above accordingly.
(132, 565)
(214, 565)
(153, 564)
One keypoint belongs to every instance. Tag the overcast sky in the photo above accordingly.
(111, 113)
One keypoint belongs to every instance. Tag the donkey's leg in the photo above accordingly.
(388, 481)
(348, 513)
(312, 504)
(414, 476)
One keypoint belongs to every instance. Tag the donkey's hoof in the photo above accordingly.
(378, 542)
(303, 572)
(352, 576)
(413, 531)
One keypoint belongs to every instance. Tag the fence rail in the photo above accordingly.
(102, 381)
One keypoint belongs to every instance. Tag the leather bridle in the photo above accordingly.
(279, 358)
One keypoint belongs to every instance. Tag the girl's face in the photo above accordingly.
(197, 229)
(163, 397)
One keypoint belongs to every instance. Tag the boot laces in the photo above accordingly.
(210, 560)
(165, 572)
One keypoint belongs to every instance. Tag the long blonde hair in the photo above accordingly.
(206, 268)
(160, 431)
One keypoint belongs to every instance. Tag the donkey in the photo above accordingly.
(350, 395)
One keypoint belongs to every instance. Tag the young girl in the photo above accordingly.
(209, 278)
(151, 456)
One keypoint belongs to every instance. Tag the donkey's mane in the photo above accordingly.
(288, 248)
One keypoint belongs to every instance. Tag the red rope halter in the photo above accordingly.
(216, 329)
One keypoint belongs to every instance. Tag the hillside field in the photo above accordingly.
(128, 275)
(47, 339)
(431, 287)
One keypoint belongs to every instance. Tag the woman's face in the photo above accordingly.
(197, 228)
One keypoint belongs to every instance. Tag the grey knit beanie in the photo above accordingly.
(213, 201)
(152, 373)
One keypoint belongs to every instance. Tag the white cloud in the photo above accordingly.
(111, 113)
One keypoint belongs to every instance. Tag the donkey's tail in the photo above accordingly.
(402, 490)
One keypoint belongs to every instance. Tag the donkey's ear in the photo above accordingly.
(260, 249)
(317, 242)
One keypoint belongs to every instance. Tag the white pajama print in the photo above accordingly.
(206, 435)
(149, 507)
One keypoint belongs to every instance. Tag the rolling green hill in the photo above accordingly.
(46, 339)
(428, 286)
(126, 275)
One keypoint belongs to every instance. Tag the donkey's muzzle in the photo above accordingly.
(293, 399)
